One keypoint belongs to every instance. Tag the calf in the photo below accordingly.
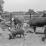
(15, 33)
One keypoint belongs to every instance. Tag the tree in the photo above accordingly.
(44, 13)
(1, 6)
(31, 12)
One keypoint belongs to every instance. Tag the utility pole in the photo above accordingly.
(30, 15)
(10, 20)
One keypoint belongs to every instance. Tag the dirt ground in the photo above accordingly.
(29, 40)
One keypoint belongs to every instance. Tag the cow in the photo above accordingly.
(17, 21)
(37, 22)
(15, 33)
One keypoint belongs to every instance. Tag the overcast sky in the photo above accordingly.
(24, 5)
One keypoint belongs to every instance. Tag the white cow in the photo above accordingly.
(25, 26)
(40, 29)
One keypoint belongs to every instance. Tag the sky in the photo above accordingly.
(24, 5)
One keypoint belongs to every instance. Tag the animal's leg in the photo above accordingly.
(45, 35)
(10, 37)
(43, 38)
(14, 36)
(34, 29)
(20, 35)
(23, 34)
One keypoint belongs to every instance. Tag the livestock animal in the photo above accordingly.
(15, 33)
(37, 22)
(17, 21)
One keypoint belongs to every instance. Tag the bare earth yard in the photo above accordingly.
(30, 40)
